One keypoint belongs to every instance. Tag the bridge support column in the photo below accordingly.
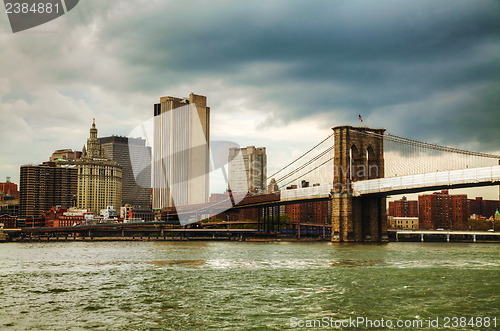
(342, 229)
(358, 219)
(358, 155)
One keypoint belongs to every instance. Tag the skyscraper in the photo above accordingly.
(181, 151)
(45, 186)
(125, 151)
(99, 179)
(249, 172)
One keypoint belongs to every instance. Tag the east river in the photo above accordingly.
(244, 285)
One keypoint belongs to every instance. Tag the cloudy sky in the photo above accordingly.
(278, 74)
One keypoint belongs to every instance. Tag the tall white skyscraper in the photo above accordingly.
(181, 151)
(249, 171)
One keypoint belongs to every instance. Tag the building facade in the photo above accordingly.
(248, 173)
(9, 207)
(45, 186)
(403, 208)
(66, 155)
(407, 223)
(317, 212)
(126, 152)
(99, 179)
(443, 211)
(485, 208)
(9, 222)
(9, 188)
(181, 162)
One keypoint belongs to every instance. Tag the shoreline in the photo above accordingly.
(225, 239)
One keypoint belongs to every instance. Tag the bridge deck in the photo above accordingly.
(472, 177)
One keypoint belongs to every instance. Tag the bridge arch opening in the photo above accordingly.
(355, 161)
(372, 169)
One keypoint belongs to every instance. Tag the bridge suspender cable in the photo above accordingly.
(297, 178)
(438, 147)
(423, 144)
(268, 177)
(304, 165)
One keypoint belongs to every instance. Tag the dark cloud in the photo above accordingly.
(332, 57)
(428, 70)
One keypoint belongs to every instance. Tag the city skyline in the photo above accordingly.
(220, 164)
(283, 90)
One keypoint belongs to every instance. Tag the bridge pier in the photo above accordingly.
(358, 219)
(358, 155)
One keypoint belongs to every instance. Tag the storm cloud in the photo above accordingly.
(428, 70)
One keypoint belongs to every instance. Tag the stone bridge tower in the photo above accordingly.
(359, 155)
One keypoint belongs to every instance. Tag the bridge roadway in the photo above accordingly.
(473, 177)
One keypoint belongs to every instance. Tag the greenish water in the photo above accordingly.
(217, 285)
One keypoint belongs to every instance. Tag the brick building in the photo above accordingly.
(443, 211)
(482, 207)
(9, 222)
(63, 217)
(403, 208)
(9, 188)
(45, 186)
(309, 212)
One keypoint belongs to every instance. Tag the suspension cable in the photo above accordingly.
(330, 159)
(299, 157)
(414, 142)
(304, 165)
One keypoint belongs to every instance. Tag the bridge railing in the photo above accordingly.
(444, 178)
(306, 192)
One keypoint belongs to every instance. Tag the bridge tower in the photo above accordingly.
(359, 155)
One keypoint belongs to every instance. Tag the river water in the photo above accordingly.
(243, 285)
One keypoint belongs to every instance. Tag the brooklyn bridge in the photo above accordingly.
(354, 169)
